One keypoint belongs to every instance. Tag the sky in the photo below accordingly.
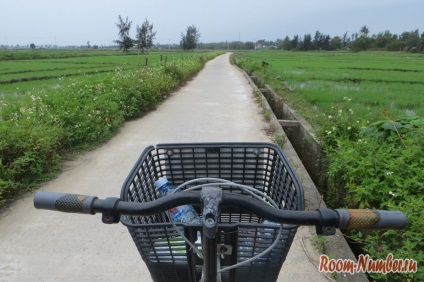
(75, 22)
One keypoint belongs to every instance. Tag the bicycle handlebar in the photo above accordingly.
(64, 202)
(324, 218)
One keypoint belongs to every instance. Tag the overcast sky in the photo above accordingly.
(74, 22)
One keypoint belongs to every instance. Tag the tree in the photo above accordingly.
(307, 42)
(32, 46)
(145, 36)
(364, 31)
(294, 42)
(361, 42)
(336, 43)
(284, 44)
(421, 47)
(250, 45)
(325, 42)
(346, 40)
(382, 40)
(125, 42)
(318, 38)
(190, 39)
(410, 40)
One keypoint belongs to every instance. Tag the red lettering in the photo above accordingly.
(389, 263)
(339, 265)
(362, 263)
(396, 265)
(371, 265)
(332, 265)
(365, 264)
(349, 266)
(412, 266)
(380, 266)
(323, 261)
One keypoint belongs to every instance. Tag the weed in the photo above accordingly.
(319, 243)
(267, 115)
(279, 139)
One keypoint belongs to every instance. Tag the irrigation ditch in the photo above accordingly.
(300, 134)
(298, 131)
(301, 139)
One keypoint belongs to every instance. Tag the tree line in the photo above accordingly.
(145, 36)
(411, 41)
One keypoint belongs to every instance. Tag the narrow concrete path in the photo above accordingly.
(37, 245)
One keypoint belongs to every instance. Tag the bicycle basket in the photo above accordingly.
(262, 166)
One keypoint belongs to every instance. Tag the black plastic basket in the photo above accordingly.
(262, 166)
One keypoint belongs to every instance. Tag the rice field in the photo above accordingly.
(22, 71)
(373, 80)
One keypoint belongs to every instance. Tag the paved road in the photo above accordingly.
(36, 245)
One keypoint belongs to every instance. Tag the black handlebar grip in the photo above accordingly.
(71, 203)
(371, 219)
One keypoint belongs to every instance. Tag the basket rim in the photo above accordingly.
(223, 225)
(259, 145)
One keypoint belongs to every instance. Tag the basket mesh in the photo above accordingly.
(258, 165)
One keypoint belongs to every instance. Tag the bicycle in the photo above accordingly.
(242, 184)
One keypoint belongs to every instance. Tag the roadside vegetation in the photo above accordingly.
(41, 125)
(22, 70)
(367, 109)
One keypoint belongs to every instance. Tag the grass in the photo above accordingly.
(44, 120)
(374, 81)
(25, 70)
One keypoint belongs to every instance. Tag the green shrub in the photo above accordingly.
(380, 166)
(27, 151)
(37, 129)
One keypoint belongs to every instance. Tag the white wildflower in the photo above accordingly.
(392, 194)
